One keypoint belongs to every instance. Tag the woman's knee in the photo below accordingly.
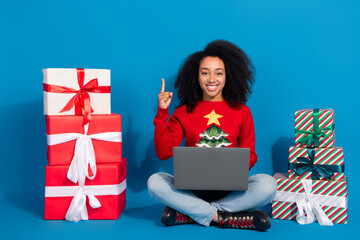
(158, 183)
(266, 184)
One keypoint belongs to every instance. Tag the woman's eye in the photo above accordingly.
(204, 73)
(219, 74)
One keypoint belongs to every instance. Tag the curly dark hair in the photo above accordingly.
(239, 75)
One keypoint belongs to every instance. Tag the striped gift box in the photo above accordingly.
(304, 127)
(323, 157)
(332, 193)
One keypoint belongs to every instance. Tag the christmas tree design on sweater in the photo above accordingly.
(213, 136)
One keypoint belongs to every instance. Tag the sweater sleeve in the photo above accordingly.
(167, 134)
(247, 134)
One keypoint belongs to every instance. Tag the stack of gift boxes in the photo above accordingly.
(316, 187)
(86, 175)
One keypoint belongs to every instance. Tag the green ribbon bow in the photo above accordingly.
(307, 165)
(314, 136)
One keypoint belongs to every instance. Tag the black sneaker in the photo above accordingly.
(256, 220)
(172, 217)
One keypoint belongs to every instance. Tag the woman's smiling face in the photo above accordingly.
(212, 78)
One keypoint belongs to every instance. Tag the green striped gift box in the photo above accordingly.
(323, 157)
(332, 193)
(304, 124)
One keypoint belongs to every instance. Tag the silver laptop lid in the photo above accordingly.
(200, 168)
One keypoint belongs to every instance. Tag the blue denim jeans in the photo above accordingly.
(261, 191)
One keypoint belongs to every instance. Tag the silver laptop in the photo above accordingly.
(200, 168)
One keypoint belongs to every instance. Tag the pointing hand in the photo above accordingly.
(164, 97)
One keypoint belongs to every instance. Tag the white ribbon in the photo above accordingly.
(309, 204)
(98, 190)
(77, 210)
(312, 209)
(84, 154)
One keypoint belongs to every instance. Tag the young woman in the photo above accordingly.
(213, 86)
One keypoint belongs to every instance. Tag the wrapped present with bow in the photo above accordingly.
(73, 196)
(76, 92)
(317, 163)
(314, 128)
(306, 200)
(69, 141)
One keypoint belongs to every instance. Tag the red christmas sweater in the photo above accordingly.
(211, 124)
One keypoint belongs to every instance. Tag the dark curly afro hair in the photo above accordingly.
(239, 75)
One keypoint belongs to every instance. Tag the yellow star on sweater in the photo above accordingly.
(213, 118)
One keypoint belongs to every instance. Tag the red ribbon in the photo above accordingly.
(81, 100)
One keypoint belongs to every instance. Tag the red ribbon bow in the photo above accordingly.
(81, 100)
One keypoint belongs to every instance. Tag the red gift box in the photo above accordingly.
(106, 150)
(109, 187)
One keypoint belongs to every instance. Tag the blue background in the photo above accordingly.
(306, 54)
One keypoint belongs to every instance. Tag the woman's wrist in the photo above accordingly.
(162, 113)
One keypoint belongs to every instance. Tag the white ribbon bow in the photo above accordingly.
(77, 210)
(309, 207)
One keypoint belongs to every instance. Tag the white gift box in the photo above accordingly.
(68, 78)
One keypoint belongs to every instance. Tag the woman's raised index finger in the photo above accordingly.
(162, 85)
